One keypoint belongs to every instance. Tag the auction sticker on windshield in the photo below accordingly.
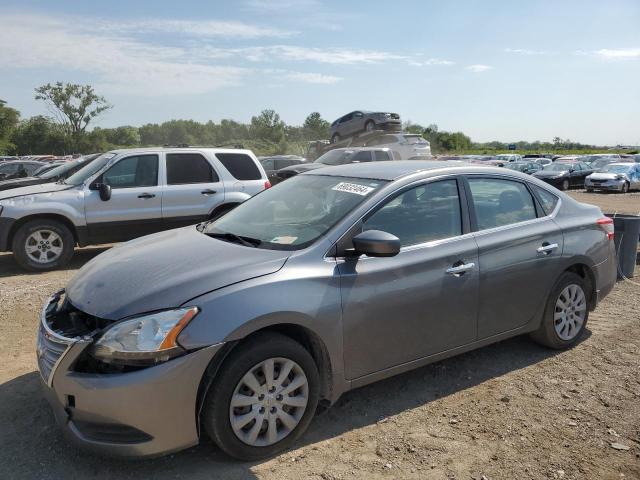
(352, 188)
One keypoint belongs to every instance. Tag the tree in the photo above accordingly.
(315, 127)
(73, 105)
(9, 118)
(267, 126)
(39, 136)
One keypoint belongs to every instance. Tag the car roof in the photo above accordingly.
(179, 150)
(392, 170)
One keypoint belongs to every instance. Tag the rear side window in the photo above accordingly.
(500, 202)
(240, 165)
(381, 156)
(547, 199)
(363, 156)
(184, 168)
(138, 171)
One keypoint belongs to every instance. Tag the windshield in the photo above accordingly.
(336, 157)
(87, 171)
(414, 139)
(556, 167)
(295, 213)
(600, 163)
(59, 170)
(616, 168)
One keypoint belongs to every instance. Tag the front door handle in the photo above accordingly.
(208, 191)
(547, 248)
(146, 195)
(460, 269)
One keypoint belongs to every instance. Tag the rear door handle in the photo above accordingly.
(460, 269)
(548, 248)
(146, 195)
(208, 191)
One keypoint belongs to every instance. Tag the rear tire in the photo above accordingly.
(589, 190)
(565, 185)
(566, 313)
(625, 187)
(370, 126)
(335, 138)
(230, 384)
(43, 245)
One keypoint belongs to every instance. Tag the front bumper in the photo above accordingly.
(142, 413)
(615, 185)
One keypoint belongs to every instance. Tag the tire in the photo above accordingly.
(335, 138)
(565, 185)
(589, 190)
(624, 188)
(42, 231)
(370, 126)
(218, 411)
(547, 334)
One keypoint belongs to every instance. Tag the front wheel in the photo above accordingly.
(624, 188)
(566, 313)
(263, 399)
(565, 185)
(42, 245)
(335, 138)
(370, 126)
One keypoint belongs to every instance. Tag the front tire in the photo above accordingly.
(335, 138)
(566, 313)
(565, 185)
(624, 188)
(370, 126)
(43, 245)
(263, 398)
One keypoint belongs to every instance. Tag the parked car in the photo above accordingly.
(524, 167)
(564, 175)
(363, 121)
(124, 194)
(48, 166)
(337, 156)
(568, 159)
(239, 328)
(541, 161)
(407, 146)
(510, 157)
(540, 155)
(274, 163)
(48, 173)
(620, 177)
(18, 169)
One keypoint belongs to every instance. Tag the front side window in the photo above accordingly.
(423, 214)
(295, 213)
(500, 202)
(240, 165)
(185, 168)
(138, 171)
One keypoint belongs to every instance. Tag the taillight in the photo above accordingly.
(267, 184)
(606, 224)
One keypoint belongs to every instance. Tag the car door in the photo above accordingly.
(423, 300)
(345, 125)
(520, 249)
(135, 206)
(193, 189)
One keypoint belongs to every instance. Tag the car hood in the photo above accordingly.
(34, 189)
(22, 182)
(550, 174)
(165, 270)
(303, 167)
(605, 176)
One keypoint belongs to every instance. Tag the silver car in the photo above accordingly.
(241, 327)
(620, 177)
(363, 121)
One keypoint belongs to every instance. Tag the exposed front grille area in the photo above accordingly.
(49, 350)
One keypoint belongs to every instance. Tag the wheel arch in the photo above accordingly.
(222, 209)
(42, 216)
(586, 273)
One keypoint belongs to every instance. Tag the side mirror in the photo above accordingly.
(375, 243)
(104, 190)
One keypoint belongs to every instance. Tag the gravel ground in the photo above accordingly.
(508, 411)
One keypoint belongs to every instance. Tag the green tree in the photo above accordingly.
(125, 136)
(39, 136)
(267, 126)
(315, 127)
(9, 118)
(73, 105)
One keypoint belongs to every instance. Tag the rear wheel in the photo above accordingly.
(42, 245)
(589, 190)
(566, 313)
(263, 399)
(370, 126)
(624, 188)
(335, 138)
(565, 185)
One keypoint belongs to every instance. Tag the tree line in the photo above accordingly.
(74, 107)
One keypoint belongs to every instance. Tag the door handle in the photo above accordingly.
(208, 191)
(460, 269)
(146, 195)
(547, 249)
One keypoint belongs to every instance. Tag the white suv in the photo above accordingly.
(124, 194)
(405, 146)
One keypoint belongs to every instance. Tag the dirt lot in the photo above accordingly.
(509, 411)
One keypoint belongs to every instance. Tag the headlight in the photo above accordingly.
(144, 340)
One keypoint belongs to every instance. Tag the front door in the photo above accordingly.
(520, 251)
(403, 308)
(135, 206)
(193, 189)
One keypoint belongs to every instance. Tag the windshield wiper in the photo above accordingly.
(246, 241)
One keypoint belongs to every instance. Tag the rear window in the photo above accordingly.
(240, 165)
(184, 168)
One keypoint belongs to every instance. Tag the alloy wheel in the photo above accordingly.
(269, 402)
(570, 312)
(44, 246)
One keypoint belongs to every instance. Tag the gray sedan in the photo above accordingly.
(241, 327)
(363, 121)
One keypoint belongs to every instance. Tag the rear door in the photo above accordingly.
(193, 189)
(135, 206)
(519, 248)
(248, 176)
